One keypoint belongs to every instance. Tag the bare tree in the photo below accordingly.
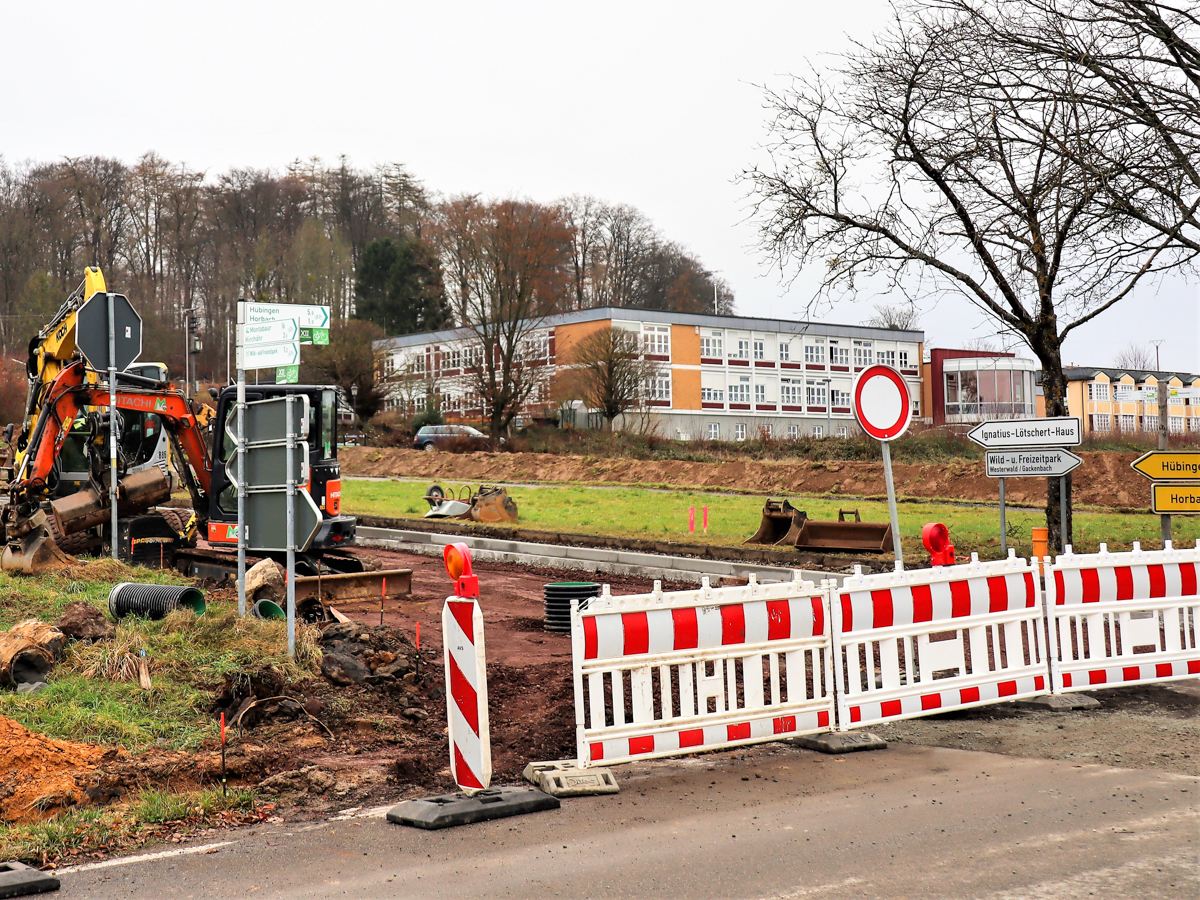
(608, 371)
(937, 159)
(506, 267)
(898, 317)
(1135, 356)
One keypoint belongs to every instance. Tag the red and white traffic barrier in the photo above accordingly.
(668, 673)
(1123, 618)
(466, 676)
(924, 641)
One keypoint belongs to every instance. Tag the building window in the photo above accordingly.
(1194, 423)
(739, 432)
(886, 358)
(785, 351)
(656, 340)
(760, 393)
(714, 431)
(818, 431)
(766, 432)
(419, 363)
(455, 359)
(862, 354)
(742, 352)
(814, 394)
(1149, 424)
(389, 366)
(712, 395)
(711, 346)
(904, 359)
(1101, 422)
(838, 356)
(789, 392)
(840, 397)
(1175, 423)
(658, 388)
(1097, 390)
(1129, 423)
(843, 431)
(739, 393)
(760, 350)
(814, 354)
(794, 432)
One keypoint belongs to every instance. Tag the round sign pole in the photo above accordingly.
(884, 410)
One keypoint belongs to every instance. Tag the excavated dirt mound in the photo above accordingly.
(1104, 479)
(42, 775)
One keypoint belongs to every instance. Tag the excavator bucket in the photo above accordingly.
(31, 550)
(779, 520)
(492, 504)
(872, 537)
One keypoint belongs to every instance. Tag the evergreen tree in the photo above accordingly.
(399, 287)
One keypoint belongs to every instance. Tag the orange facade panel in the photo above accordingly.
(685, 345)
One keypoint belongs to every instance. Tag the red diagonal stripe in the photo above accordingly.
(1158, 581)
(960, 599)
(1060, 589)
(1091, 585)
(779, 620)
(818, 617)
(1124, 582)
(462, 612)
(1187, 579)
(464, 694)
(847, 614)
(463, 773)
(590, 641)
(997, 594)
(881, 605)
(922, 600)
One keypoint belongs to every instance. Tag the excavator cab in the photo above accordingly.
(325, 484)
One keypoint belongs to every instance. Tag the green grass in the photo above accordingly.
(91, 830)
(636, 512)
(93, 695)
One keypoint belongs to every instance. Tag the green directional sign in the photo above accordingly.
(287, 375)
(317, 336)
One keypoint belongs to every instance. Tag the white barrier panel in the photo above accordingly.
(924, 641)
(1123, 618)
(663, 674)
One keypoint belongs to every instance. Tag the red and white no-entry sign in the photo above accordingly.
(881, 402)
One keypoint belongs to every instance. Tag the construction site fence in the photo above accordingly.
(668, 673)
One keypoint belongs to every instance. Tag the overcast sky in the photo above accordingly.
(654, 104)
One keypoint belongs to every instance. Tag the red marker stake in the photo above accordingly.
(418, 649)
(691, 520)
(706, 520)
(222, 754)
(382, 591)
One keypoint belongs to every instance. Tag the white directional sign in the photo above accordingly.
(1016, 434)
(1049, 463)
(268, 356)
(277, 332)
(305, 316)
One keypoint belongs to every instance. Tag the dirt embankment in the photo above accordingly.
(1104, 479)
(42, 775)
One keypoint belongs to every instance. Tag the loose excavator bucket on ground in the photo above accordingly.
(785, 526)
(490, 504)
(779, 519)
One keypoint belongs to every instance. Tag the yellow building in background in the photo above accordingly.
(1126, 400)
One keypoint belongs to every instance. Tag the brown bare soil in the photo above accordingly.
(1104, 479)
(42, 775)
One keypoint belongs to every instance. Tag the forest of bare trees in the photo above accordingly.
(173, 238)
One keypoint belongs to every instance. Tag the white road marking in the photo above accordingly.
(815, 889)
(144, 857)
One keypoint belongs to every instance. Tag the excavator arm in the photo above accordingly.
(29, 545)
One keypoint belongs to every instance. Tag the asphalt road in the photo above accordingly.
(772, 822)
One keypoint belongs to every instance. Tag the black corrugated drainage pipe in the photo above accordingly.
(558, 600)
(153, 601)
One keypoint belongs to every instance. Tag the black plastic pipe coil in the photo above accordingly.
(153, 601)
(558, 598)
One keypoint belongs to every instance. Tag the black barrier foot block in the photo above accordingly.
(1057, 702)
(449, 810)
(841, 742)
(17, 880)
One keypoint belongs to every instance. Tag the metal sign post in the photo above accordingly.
(884, 410)
(1163, 439)
(241, 461)
(291, 527)
(112, 421)
(1003, 524)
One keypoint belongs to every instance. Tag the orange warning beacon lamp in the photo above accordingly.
(458, 566)
(936, 538)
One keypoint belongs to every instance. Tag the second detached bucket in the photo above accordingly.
(558, 602)
(153, 601)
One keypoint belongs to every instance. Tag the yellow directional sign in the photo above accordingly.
(1175, 499)
(1169, 465)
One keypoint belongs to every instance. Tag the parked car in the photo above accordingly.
(450, 437)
